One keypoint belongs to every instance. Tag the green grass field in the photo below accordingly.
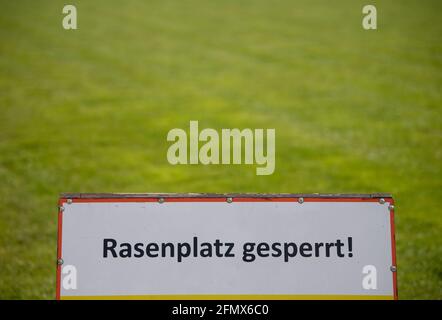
(89, 110)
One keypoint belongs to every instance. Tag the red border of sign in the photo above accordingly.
(258, 198)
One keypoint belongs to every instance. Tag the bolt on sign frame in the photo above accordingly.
(85, 219)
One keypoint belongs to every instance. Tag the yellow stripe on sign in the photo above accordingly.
(232, 297)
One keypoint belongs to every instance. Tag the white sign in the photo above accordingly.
(222, 247)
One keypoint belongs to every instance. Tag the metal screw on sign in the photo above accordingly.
(381, 200)
(61, 208)
(161, 200)
(60, 262)
(229, 200)
(301, 200)
(393, 269)
(391, 207)
(69, 201)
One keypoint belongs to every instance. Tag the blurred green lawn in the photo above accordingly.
(89, 111)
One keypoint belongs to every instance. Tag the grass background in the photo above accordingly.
(89, 111)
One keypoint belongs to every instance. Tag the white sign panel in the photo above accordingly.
(221, 247)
